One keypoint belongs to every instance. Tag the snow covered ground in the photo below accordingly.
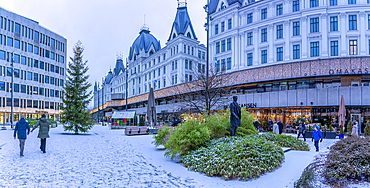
(108, 158)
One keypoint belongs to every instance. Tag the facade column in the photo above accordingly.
(234, 37)
(324, 34)
(287, 7)
(343, 38)
(362, 27)
(256, 57)
(242, 50)
(270, 39)
(286, 35)
(304, 33)
(237, 50)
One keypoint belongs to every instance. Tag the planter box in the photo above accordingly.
(308, 134)
(330, 135)
(153, 131)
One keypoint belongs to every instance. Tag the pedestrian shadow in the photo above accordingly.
(80, 134)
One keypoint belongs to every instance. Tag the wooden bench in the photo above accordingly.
(289, 130)
(136, 130)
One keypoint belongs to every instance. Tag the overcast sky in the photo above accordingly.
(106, 28)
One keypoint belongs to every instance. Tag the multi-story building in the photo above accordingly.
(36, 58)
(150, 66)
(295, 58)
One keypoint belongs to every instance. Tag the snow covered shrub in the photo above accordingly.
(162, 137)
(349, 158)
(286, 141)
(218, 124)
(235, 158)
(189, 136)
(307, 177)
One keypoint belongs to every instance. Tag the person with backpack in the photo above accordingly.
(44, 127)
(302, 130)
(20, 129)
(317, 136)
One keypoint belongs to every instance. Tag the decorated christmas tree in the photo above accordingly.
(349, 127)
(367, 129)
(76, 98)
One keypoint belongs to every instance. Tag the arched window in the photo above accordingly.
(174, 36)
(188, 35)
(151, 52)
(135, 57)
(223, 6)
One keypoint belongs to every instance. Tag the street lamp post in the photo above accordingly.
(12, 92)
(206, 8)
(126, 82)
(98, 102)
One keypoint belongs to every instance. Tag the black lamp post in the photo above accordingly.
(206, 8)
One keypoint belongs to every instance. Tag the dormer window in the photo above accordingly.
(223, 6)
(151, 52)
(188, 35)
(174, 36)
(134, 57)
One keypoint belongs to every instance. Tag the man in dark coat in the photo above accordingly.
(270, 125)
(20, 129)
(235, 116)
(256, 125)
(281, 126)
(44, 126)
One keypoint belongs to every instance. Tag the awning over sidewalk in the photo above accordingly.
(123, 115)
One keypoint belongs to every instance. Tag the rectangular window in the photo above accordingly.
(314, 25)
(35, 50)
(35, 77)
(352, 22)
(229, 24)
(368, 22)
(16, 58)
(216, 29)
(351, 2)
(315, 49)
(279, 31)
(47, 79)
(29, 75)
(35, 90)
(296, 29)
(52, 42)
(296, 51)
(52, 68)
(334, 48)
(36, 35)
(217, 47)
(2, 55)
(279, 54)
(249, 38)
(314, 3)
(218, 66)
(16, 73)
(2, 86)
(186, 64)
(229, 63)
(8, 71)
(229, 44)
(264, 35)
(9, 42)
(16, 88)
(263, 14)
(41, 65)
(264, 56)
(222, 26)
(296, 6)
(17, 44)
(223, 45)
(334, 23)
(23, 88)
(353, 47)
(23, 60)
(52, 55)
(36, 63)
(30, 48)
(279, 10)
(223, 65)
(250, 18)
(333, 3)
(250, 59)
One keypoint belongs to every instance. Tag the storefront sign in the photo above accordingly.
(349, 71)
(249, 105)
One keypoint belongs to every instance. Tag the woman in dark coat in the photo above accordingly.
(44, 126)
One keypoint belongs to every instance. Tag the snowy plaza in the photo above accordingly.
(108, 158)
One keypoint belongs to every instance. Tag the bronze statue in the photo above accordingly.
(235, 116)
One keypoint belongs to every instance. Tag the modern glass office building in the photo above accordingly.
(35, 57)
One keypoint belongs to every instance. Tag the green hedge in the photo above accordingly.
(235, 157)
(286, 141)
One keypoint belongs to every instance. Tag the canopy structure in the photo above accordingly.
(151, 113)
(123, 115)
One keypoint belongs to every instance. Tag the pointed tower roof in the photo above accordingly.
(182, 22)
(144, 41)
(95, 87)
(119, 67)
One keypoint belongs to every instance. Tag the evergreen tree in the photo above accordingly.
(367, 129)
(141, 121)
(76, 98)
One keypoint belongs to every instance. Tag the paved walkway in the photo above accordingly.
(108, 158)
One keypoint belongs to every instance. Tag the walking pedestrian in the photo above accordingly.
(281, 126)
(317, 136)
(270, 125)
(302, 130)
(256, 125)
(354, 129)
(276, 128)
(43, 126)
(20, 129)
